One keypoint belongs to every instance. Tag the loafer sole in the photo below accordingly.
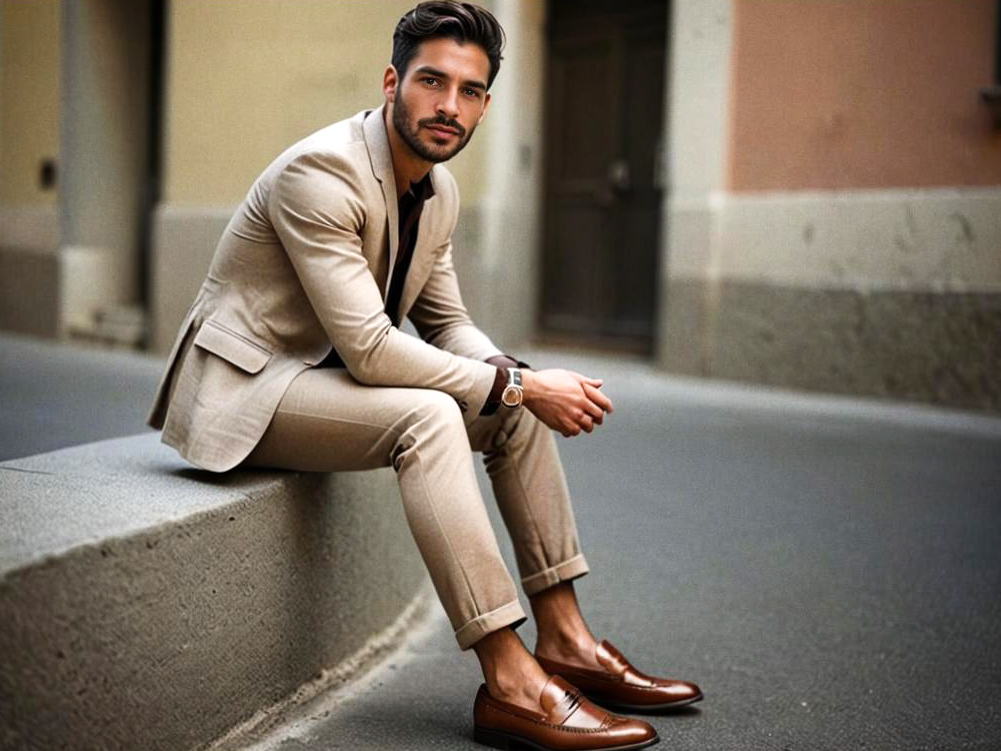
(510, 742)
(638, 708)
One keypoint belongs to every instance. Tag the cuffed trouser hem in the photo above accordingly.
(511, 614)
(561, 572)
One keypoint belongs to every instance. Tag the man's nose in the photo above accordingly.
(448, 103)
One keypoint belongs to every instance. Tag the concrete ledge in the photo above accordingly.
(145, 604)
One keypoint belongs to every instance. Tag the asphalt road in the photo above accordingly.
(827, 569)
(54, 396)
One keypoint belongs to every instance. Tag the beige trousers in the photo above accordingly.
(328, 422)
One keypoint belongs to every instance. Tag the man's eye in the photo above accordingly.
(473, 93)
(431, 81)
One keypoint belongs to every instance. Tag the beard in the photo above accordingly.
(411, 133)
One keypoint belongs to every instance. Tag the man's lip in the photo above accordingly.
(444, 129)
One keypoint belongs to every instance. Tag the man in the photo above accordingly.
(291, 357)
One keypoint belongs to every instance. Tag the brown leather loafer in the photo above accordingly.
(568, 722)
(621, 686)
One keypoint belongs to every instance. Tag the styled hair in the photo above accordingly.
(436, 19)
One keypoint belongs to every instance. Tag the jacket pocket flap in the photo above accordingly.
(232, 347)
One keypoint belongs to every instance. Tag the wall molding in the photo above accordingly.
(936, 240)
(30, 227)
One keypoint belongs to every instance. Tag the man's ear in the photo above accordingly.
(390, 80)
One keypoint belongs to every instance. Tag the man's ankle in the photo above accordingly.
(520, 687)
(567, 646)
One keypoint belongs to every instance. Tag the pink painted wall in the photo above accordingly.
(830, 94)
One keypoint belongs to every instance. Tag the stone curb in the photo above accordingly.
(145, 604)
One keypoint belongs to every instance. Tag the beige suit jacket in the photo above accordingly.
(304, 265)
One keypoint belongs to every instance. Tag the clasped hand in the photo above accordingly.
(566, 401)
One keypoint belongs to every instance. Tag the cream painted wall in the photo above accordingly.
(247, 78)
(29, 98)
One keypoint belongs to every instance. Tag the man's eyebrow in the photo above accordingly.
(442, 74)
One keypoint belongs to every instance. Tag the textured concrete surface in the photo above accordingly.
(144, 604)
(826, 568)
(942, 348)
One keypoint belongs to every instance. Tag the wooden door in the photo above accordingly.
(605, 102)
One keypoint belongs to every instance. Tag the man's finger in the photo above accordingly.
(592, 410)
(582, 379)
(598, 398)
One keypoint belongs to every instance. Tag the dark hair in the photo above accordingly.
(463, 22)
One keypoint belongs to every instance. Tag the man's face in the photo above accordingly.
(441, 99)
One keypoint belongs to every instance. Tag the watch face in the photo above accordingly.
(511, 397)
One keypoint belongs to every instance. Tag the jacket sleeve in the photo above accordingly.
(319, 215)
(440, 317)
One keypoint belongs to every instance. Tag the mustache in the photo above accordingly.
(443, 121)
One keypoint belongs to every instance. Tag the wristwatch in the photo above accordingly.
(513, 393)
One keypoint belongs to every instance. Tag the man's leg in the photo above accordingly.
(524, 467)
(527, 475)
(523, 463)
(328, 422)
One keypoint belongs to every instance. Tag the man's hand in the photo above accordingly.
(564, 400)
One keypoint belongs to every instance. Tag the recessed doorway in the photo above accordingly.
(603, 187)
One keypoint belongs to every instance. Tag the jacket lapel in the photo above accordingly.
(377, 142)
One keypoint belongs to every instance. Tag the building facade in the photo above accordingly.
(803, 193)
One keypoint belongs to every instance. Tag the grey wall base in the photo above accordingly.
(29, 292)
(148, 605)
(943, 348)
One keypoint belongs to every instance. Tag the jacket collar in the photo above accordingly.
(377, 142)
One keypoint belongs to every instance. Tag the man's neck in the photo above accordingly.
(408, 168)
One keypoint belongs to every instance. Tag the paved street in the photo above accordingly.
(827, 569)
(53, 396)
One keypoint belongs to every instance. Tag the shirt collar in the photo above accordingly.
(420, 191)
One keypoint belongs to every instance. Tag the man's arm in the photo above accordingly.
(440, 316)
(567, 402)
(318, 215)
